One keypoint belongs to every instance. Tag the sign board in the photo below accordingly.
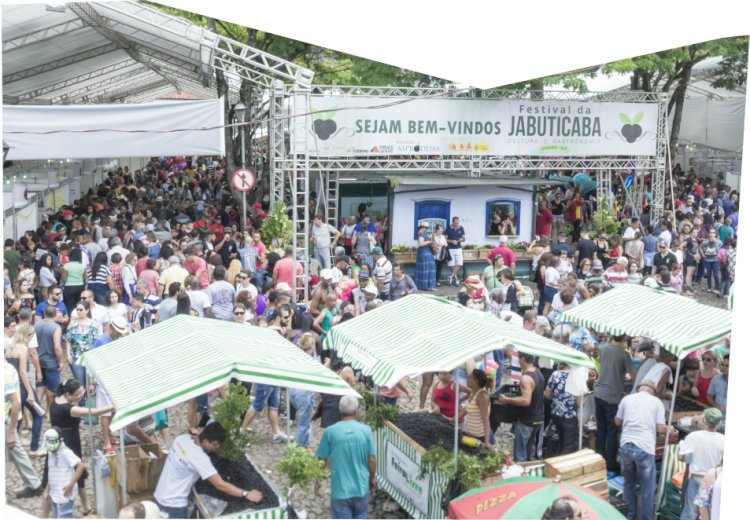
(403, 474)
(243, 180)
(349, 126)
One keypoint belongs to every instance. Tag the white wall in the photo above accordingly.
(468, 203)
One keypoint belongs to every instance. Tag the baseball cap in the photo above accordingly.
(283, 286)
(645, 345)
(120, 324)
(364, 275)
(371, 289)
(648, 383)
(377, 250)
(651, 282)
(227, 229)
(67, 213)
(344, 258)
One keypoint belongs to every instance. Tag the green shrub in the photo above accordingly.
(229, 412)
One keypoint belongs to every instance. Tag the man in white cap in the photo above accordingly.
(116, 328)
(321, 292)
(509, 257)
(617, 274)
(641, 416)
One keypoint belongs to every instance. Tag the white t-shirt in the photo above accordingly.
(707, 449)
(551, 276)
(199, 301)
(62, 467)
(666, 237)
(515, 319)
(250, 288)
(640, 414)
(185, 464)
(629, 233)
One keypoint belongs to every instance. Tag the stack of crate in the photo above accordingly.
(585, 468)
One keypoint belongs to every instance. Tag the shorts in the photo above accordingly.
(50, 379)
(161, 420)
(266, 394)
(103, 399)
(457, 257)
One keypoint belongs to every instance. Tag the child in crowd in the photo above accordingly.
(64, 469)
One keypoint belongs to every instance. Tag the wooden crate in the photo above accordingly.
(574, 465)
(600, 487)
(136, 469)
(154, 465)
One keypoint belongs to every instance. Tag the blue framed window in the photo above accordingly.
(435, 212)
(503, 217)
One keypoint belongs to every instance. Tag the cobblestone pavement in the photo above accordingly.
(266, 455)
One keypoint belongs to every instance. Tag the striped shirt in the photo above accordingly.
(61, 469)
(474, 425)
(614, 277)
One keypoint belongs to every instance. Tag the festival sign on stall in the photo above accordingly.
(357, 126)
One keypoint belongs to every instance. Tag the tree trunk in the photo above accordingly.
(678, 102)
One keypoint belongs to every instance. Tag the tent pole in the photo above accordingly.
(91, 440)
(288, 417)
(124, 476)
(455, 426)
(580, 422)
(664, 462)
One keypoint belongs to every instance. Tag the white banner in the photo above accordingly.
(403, 474)
(104, 131)
(366, 126)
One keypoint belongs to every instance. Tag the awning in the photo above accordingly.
(186, 356)
(422, 333)
(678, 324)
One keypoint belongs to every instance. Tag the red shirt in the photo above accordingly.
(140, 265)
(445, 399)
(218, 230)
(284, 269)
(574, 210)
(509, 257)
(197, 267)
(544, 223)
(262, 250)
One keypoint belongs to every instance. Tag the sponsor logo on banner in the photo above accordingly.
(349, 126)
(403, 474)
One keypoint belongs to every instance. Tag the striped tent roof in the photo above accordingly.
(186, 356)
(678, 324)
(423, 333)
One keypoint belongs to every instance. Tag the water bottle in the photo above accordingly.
(38, 409)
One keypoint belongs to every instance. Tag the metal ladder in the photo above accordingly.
(331, 184)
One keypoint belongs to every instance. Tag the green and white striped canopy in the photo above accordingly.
(187, 356)
(422, 333)
(678, 324)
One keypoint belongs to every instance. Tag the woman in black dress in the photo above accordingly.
(66, 415)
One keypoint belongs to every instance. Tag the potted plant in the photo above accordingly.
(470, 252)
(278, 225)
(403, 253)
(303, 471)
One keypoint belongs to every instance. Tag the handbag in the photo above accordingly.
(525, 300)
(443, 254)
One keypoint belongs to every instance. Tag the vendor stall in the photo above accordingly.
(678, 324)
(187, 356)
(418, 334)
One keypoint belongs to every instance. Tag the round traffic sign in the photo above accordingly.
(243, 180)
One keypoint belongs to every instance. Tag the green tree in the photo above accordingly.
(671, 72)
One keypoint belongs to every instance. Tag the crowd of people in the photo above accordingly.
(168, 239)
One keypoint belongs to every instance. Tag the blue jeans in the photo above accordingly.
(712, 270)
(36, 420)
(174, 512)
(62, 510)
(303, 401)
(689, 510)
(606, 432)
(499, 357)
(638, 467)
(355, 507)
(79, 372)
(259, 279)
(266, 394)
(525, 440)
